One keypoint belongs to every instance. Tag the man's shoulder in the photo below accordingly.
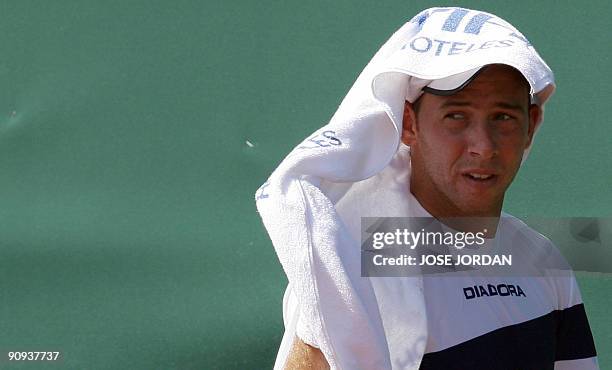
(531, 244)
(510, 224)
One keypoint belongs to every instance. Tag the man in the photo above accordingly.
(468, 134)
(466, 149)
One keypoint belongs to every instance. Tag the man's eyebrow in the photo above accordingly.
(511, 106)
(455, 103)
(464, 103)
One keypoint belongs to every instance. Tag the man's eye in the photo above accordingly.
(455, 116)
(503, 117)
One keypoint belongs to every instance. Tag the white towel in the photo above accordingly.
(356, 166)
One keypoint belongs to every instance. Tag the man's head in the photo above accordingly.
(467, 147)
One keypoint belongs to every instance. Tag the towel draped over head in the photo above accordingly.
(356, 166)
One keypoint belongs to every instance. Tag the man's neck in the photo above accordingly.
(460, 220)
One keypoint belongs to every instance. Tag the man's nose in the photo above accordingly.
(481, 141)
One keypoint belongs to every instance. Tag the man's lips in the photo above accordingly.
(480, 174)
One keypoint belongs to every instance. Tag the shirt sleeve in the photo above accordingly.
(575, 348)
(582, 364)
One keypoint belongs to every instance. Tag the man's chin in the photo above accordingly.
(480, 206)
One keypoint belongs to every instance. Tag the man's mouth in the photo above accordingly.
(479, 176)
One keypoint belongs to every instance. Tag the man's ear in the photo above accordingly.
(535, 117)
(409, 124)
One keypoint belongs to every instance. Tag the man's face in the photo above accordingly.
(466, 148)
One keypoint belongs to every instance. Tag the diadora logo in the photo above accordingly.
(473, 23)
(491, 290)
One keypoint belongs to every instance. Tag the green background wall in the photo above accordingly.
(128, 231)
